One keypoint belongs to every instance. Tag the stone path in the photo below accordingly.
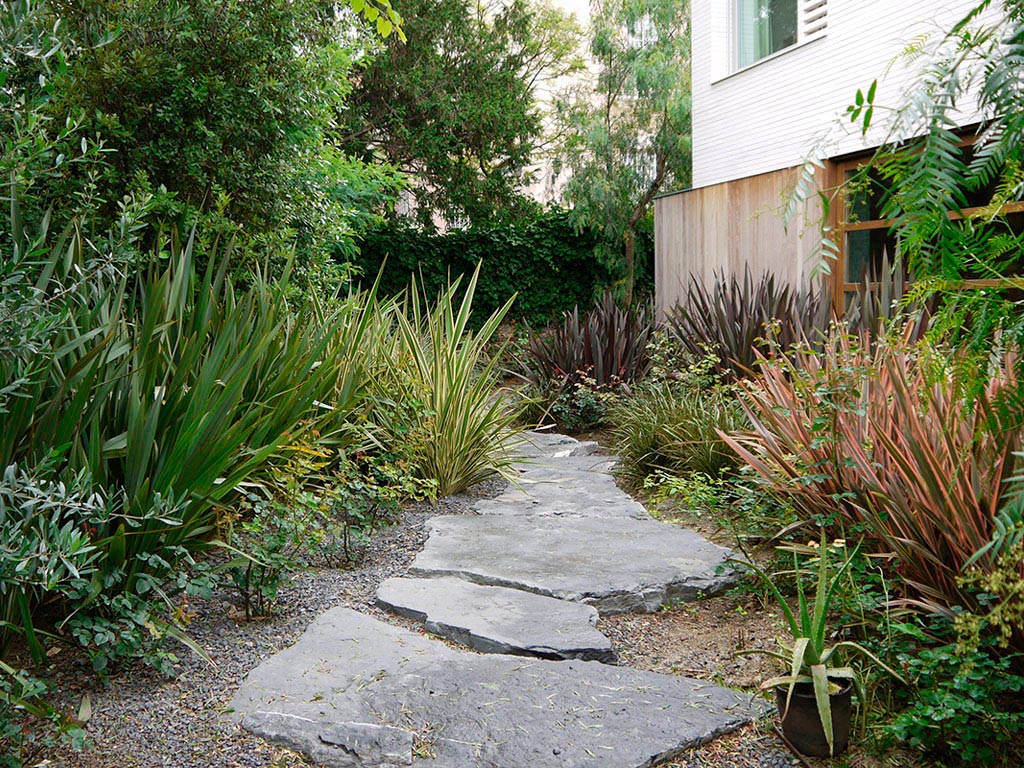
(525, 577)
(499, 620)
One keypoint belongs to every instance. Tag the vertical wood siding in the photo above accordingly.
(724, 227)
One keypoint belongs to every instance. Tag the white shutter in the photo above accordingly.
(813, 19)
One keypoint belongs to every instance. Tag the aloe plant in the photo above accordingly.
(810, 658)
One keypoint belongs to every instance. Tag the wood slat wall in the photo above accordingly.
(725, 226)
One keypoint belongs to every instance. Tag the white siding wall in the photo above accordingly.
(773, 114)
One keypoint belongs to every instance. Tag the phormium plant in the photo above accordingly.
(738, 317)
(883, 439)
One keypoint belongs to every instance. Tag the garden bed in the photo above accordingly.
(140, 719)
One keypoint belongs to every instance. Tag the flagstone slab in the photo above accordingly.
(564, 494)
(498, 620)
(564, 487)
(616, 564)
(552, 444)
(357, 692)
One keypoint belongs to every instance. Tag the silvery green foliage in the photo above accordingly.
(44, 540)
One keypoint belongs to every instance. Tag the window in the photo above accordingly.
(764, 27)
(867, 246)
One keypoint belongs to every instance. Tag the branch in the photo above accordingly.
(661, 171)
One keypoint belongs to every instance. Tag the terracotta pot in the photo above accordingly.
(802, 725)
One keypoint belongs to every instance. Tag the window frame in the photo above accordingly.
(735, 38)
(840, 226)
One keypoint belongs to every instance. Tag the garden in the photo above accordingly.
(237, 387)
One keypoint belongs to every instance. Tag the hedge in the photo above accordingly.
(545, 260)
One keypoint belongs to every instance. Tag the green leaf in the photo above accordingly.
(819, 676)
(85, 710)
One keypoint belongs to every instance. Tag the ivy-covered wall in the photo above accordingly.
(546, 261)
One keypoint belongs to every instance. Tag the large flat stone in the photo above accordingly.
(616, 564)
(561, 497)
(552, 444)
(354, 691)
(499, 620)
(564, 487)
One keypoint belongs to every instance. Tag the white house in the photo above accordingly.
(771, 83)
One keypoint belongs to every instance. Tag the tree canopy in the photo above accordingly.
(216, 113)
(629, 132)
(456, 105)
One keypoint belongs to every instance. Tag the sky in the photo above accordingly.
(580, 7)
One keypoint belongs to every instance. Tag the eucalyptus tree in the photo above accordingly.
(628, 130)
(456, 106)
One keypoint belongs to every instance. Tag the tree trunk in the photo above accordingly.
(629, 241)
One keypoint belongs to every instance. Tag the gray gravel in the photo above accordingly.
(141, 720)
(750, 747)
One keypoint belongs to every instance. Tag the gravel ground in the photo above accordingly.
(141, 720)
(702, 640)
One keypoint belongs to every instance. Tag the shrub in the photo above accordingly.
(436, 400)
(966, 708)
(674, 427)
(882, 439)
(736, 319)
(157, 394)
(582, 406)
(29, 727)
(546, 261)
(171, 393)
(321, 524)
(43, 547)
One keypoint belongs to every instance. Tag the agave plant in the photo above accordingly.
(810, 659)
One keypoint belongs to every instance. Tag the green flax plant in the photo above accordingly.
(215, 384)
(167, 391)
(439, 399)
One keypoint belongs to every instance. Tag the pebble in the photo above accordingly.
(141, 720)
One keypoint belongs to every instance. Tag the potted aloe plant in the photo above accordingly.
(814, 699)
